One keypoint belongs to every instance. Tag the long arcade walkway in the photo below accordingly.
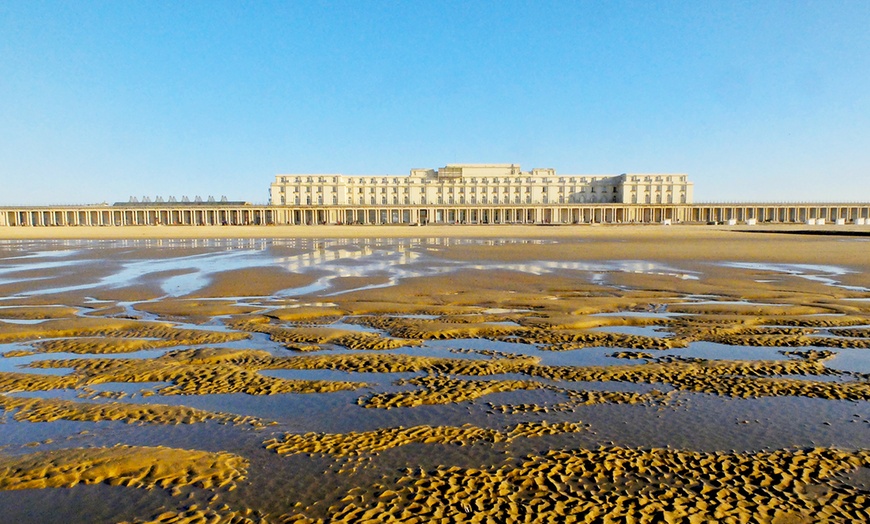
(217, 214)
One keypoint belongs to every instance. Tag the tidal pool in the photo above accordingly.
(541, 354)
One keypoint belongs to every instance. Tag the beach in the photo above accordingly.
(437, 373)
(406, 231)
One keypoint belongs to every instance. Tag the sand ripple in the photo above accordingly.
(48, 410)
(615, 484)
(373, 442)
(190, 372)
(133, 466)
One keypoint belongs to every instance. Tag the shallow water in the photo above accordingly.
(825, 274)
(643, 331)
(395, 259)
(696, 421)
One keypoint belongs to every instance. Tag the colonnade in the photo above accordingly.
(134, 215)
(781, 213)
(470, 214)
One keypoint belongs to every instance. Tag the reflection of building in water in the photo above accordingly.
(343, 258)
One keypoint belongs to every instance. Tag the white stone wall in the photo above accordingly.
(657, 188)
(466, 184)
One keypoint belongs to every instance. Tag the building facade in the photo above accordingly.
(478, 184)
(453, 194)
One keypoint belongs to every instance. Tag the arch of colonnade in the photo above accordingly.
(134, 216)
(451, 214)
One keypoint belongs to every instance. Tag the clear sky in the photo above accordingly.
(755, 100)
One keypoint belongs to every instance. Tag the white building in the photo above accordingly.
(454, 194)
(476, 184)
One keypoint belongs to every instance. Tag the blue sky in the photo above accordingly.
(756, 101)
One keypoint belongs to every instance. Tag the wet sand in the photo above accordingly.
(558, 374)
(401, 231)
(121, 465)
